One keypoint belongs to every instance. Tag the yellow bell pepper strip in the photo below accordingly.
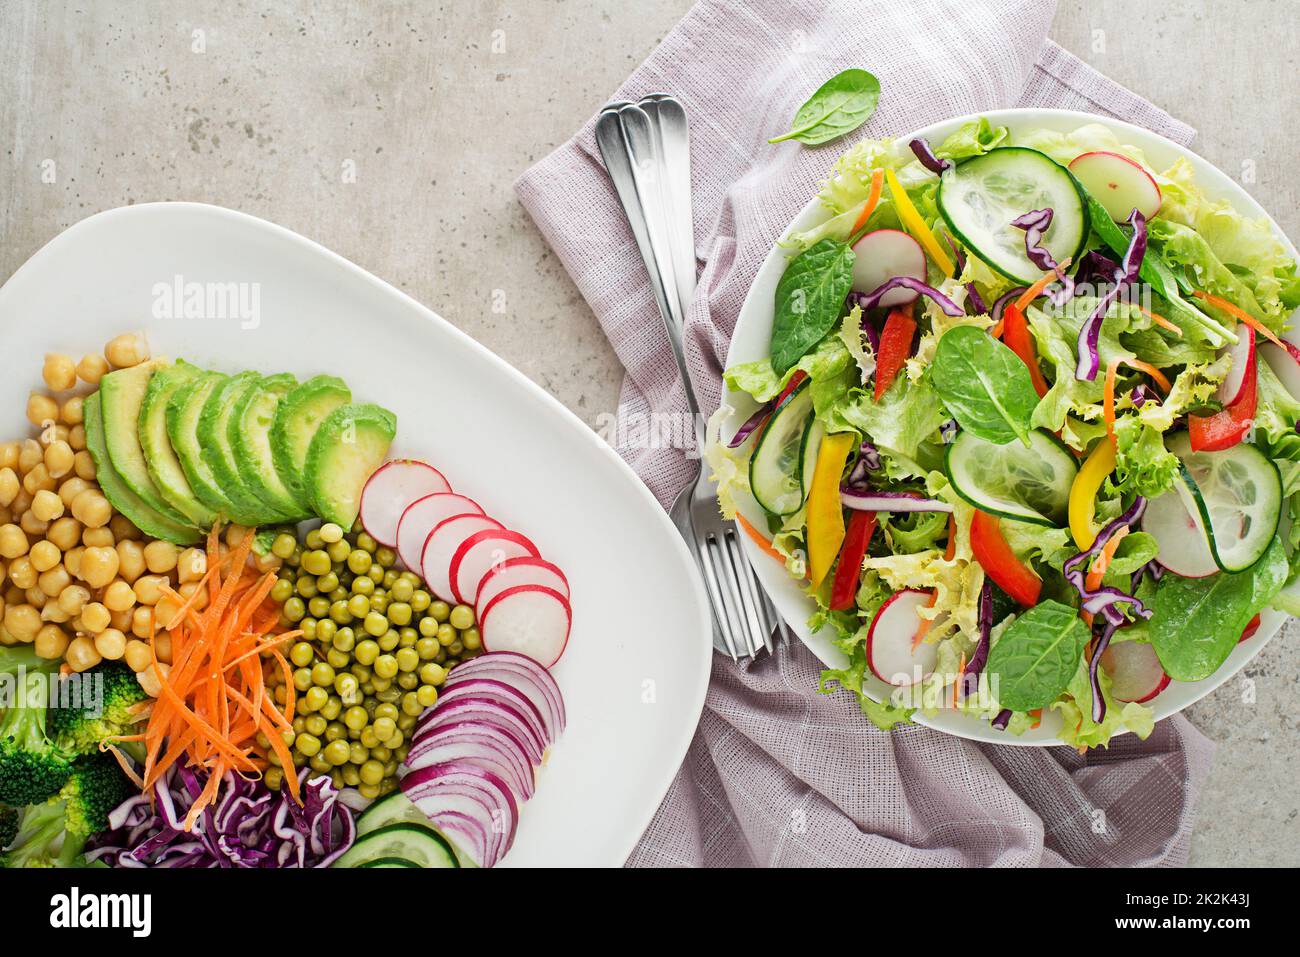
(916, 225)
(825, 513)
(1083, 493)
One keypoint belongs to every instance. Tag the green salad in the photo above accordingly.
(1024, 432)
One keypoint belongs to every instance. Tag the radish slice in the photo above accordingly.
(422, 515)
(1120, 184)
(892, 652)
(441, 545)
(479, 554)
(463, 792)
(882, 255)
(482, 745)
(522, 672)
(483, 711)
(1284, 362)
(489, 689)
(1134, 669)
(529, 619)
(1243, 362)
(1183, 546)
(390, 489)
(519, 571)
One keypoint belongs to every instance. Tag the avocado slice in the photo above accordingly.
(349, 445)
(121, 398)
(161, 459)
(299, 415)
(250, 438)
(183, 412)
(215, 448)
(137, 511)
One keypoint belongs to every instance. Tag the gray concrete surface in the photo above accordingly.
(437, 107)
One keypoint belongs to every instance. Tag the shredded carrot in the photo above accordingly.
(961, 669)
(759, 539)
(1156, 375)
(873, 198)
(1093, 579)
(213, 703)
(1238, 313)
(1108, 398)
(1161, 321)
(1036, 290)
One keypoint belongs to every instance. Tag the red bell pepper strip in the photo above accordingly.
(1015, 333)
(844, 587)
(1252, 626)
(1223, 430)
(1000, 562)
(799, 376)
(895, 347)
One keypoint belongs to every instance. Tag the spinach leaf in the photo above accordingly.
(1198, 621)
(809, 300)
(840, 105)
(984, 385)
(1037, 656)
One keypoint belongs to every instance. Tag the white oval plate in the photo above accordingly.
(637, 663)
(750, 342)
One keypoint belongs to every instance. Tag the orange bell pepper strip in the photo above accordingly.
(825, 513)
(895, 347)
(1000, 563)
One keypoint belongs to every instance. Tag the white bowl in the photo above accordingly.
(750, 342)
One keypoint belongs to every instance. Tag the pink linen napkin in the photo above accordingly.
(778, 774)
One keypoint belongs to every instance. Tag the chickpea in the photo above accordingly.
(111, 644)
(188, 589)
(22, 621)
(164, 613)
(84, 466)
(98, 565)
(51, 642)
(46, 506)
(91, 509)
(73, 599)
(119, 596)
(123, 529)
(32, 525)
(77, 437)
(8, 455)
(73, 410)
(148, 588)
(137, 655)
(95, 617)
(82, 654)
(71, 488)
(130, 560)
(36, 598)
(162, 647)
(41, 410)
(92, 368)
(190, 566)
(160, 556)
(142, 622)
(45, 555)
(13, 543)
(128, 349)
(121, 620)
(52, 581)
(72, 560)
(6, 515)
(30, 453)
(52, 611)
(8, 486)
(59, 372)
(38, 479)
(21, 573)
(59, 458)
(21, 503)
(64, 533)
(98, 537)
(149, 678)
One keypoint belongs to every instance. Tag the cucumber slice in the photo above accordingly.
(979, 198)
(394, 808)
(422, 846)
(1022, 484)
(812, 444)
(778, 463)
(1238, 493)
(389, 862)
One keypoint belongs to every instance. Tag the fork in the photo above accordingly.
(645, 147)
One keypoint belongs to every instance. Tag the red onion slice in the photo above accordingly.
(522, 672)
(867, 501)
(502, 692)
(484, 746)
(466, 790)
(486, 711)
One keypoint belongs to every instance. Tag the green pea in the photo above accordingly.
(385, 666)
(406, 722)
(350, 776)
(446, 635)
(316, 562)
(366, 543)
(327, 629)
(306, 587)
(372, 772)
(379, 602)
(389, 640)
(322, 674)
(332, 708)
(381, 753)
(308, 744)
(385, 557)
(408, 681)
(440, 611)
(331, 532)
(302, 654)
(407, 637)
(376, 574)
(366, 651)
(359, 606)
(339, 612)
(402, 589)
(358, 754)
(426, 695)
(337, 659)
(315, 697)
(461, 617)
(399, 613)
(339, 551)
(318, 607)
(281, 591)
(343, 640)
(335, 731)
(455, 648)
(368, 737)
(359, 561)
(420, 600)
(407, 659)
(336, 753)
(316, 725)
(308, 626)
(379, 686)
(302, 678)
(362, 584)
(428, 626)
(347, 686)
(375, 624)
(283, 545)
(313, 539)
(361, 673)
(294, 609)
(411, 703)
(327, 582)
(433, 674)
(472, 639)
(427, 648)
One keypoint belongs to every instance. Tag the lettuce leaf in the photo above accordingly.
(906, 419)
(1080, 731)
(971, 139)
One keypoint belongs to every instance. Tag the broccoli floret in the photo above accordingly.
(76, 728)
(32, 768)
(8, 825)
(54, 834)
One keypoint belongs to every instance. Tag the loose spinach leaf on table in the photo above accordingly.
(809, 300)
(984, 385)
(840, 105)
(1198, 621)
(1037, 656)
